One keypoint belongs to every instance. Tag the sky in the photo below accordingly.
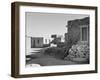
(46, 24)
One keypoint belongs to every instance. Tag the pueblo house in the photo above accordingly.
(36, 42)
(78, 31)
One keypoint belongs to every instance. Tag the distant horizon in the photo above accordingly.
(48, 39)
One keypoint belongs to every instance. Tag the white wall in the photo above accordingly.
(28, 43)
(5, 41)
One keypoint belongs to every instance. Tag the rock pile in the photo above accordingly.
(78, 51)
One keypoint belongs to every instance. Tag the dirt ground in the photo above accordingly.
(49, 61)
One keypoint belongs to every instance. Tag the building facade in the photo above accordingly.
(78, 31)
(36, 42)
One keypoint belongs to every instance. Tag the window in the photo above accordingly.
(84, 32)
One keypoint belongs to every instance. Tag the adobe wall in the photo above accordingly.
(74, 29)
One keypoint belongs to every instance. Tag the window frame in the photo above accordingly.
(84, 26)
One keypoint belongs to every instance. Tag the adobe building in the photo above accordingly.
(36, 42)
(78, 31)
(32, 43)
